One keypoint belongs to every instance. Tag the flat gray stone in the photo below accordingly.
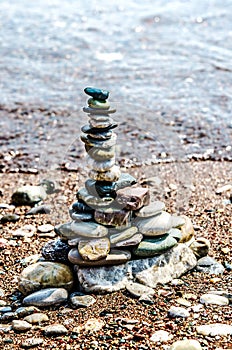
(77, 229)
(47, 297)
(152, 209)
(122, 235)
(155, 225)
(209, 265)
(24, 311)
(133, 241)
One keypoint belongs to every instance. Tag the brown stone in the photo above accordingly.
(115, 257)
(113, 217)
(187, 230)
(133, 198)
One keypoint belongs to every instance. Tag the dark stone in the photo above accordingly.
(56, 250)
(97, 94)
(9, 218)
(98, 111)
(133, 198)
(80, 207)
(101, 136)
(88, 130)
(101, 188)
(80, 216)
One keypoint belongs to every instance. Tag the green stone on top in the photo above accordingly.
(97, 94)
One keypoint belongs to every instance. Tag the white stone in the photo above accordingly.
(21, 326)
(138, 289)
(214, 299)
(25, 231)
(215, 329)
(152, 209)
(176, 311)
(154, 225)
(186, 344)
(160, 336)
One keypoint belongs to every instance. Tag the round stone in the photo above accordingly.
(56, 250)
(154, 225)
(111, 175)
(200, 247)
(45, 274)
(96, 249)
(46, 297)
(152, 209)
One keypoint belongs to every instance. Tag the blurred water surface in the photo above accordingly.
(167, 64)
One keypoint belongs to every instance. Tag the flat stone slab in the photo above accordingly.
(154, 225)
(150, 271)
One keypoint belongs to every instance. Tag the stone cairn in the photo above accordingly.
(113, 220)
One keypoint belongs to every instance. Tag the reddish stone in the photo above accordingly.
(133, 198)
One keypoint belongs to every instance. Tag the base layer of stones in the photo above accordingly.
(116, 234)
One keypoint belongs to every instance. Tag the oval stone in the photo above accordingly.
(154, 225)
(56, 250)
(101, 154)
(102, 165)
(92, 201)
(46, 297)
(115, 257)
(154, 246)
(152, 209)
(45, 274)
(187, 230)
(98, 104)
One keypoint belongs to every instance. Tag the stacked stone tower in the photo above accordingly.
(113, 219)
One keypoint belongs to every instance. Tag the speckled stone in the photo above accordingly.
(92, 201)
(155, 225)
(154, 246)
(133, 198)
(101, 154)
(113, 217)
(81, 300)
(47, 297)
(56, 250)
(111, 175)
(115, 257)
(138, 289)
(152, 209)
(96, 249)
(45, 274)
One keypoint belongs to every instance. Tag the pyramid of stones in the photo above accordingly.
(113, 219)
